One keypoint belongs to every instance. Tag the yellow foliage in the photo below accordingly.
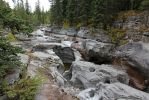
(90, 23)
(10, 37)
(79, 25)
(117, 36)
(126, 14)
(66, 24)
(143, 28)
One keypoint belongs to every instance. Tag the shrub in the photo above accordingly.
(117, 36)
(8, 57)
(66, 24)
(25, 88)
(10, 37)
(125, 14)
(79, 25)
(27, 29)
(144, 5)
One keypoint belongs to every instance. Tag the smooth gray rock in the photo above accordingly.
(38, 33)
(137, 55)
(4, 97)
(66, 54)
(146, 34)
(13, 77)
(45, 59)
(69, 31)
(98, 52)
(47, 29)
(83, 32)
(115, 91)
(86, 74)
(130, 23)
(39, 36)
(102, 38)
(78, 56)
(95, 34)
(45, 46)
(24, 58)
(22, 37)
(61, 81)
(55, 29)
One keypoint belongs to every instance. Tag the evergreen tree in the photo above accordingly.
(72, 12)
(27, 7)
(57, 12)
(38, 12)
(43, 16)
(64, 8)
(144, 5)
(83, 11)
(4, 12)
(99, 13)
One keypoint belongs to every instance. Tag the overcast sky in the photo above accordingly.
(44, 3)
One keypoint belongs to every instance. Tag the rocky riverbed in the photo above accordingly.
(77, 65)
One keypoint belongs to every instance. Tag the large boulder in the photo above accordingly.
(47, 59)
(4, 97)
(137, 55)
(45, 46)
(38, 33)
(16, 73)
(39, 36)
(13, 77)
(47, 29)
(115, 91)
(78, 56)
(50, 66)
(98, 52)
(83, 32)
(69, 31)
(55, 29)
(24, 58)
(96, 34)
(22, 37)
(102, 38)
(86, 74)
(66, 54)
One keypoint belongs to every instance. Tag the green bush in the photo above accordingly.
(8, 57)
(10, 37)
(117, 36)
(144, 5)
(27, 29)
(25, 88)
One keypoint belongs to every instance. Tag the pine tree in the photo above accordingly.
(64, 9)
(43, 17)
(72, 12)
(57, 12)
(99, 13)
(83, 11)
(144, 5)
(38, 12)
(19, 9)
(27, 7)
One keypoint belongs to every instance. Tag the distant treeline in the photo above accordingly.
(94, 13)
(21, 18)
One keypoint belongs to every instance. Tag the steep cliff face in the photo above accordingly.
(136, 25)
